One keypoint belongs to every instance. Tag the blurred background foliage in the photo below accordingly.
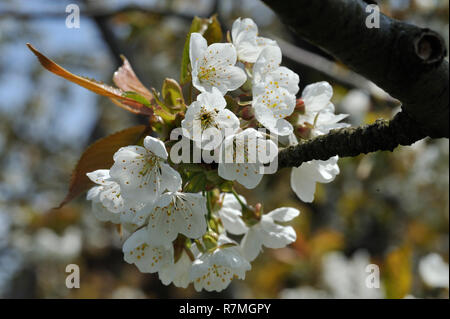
(391, 209)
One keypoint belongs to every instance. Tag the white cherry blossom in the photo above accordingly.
(208, 112)
(245, 38)
(243, 155)
(274, 90)
(176, 213)
(319, 111)
(103, 196)
(214, 65)
(107, 201)
(138, 249)
(305, 177)
(178, 273)
(268, 233)
(142, 172)
(214, 270)
(231, 214)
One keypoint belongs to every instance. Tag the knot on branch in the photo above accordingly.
(430, 47)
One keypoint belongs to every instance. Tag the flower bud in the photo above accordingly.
(300, 106)
(247, 113)
(258, 210)
(303, 131)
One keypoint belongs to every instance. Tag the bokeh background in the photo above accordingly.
(391, 209)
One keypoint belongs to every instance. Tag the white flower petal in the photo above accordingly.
(214, 100)
(214, 271)
(243, 31)
(302, 184)
(219, 54)
(138, 171)
(228, 121)
(175, 213)
(317, 96)
(268, 60)
(197, 48)
(94, 193)
(103, 214)
(107, 201)
(273, 121)
(251, 244)
(148, 258)
(229, 201)
(155, 146)
(177, 273)
(229, 80)
(100, 176)
(230, 215)
(275, 236)
(282, 128)
(304, 178)
(207, 120)
(245, 38)
(284, 214)
(139, 180)
(214, 67)
(227, 171)
(241, 159)
(262, 42)
(170, 178)
(328, 170)
(285, 78)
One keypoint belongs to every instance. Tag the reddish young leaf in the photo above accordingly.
(126, 80)
(116, 94)
(100, 156)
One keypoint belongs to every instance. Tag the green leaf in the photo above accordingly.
(185, 75)
(196, 184)
(213, 33)
(213, 177)
(136, 97)
(226, 186)
(100, 156)
(211, 30)
(161, 109)
(172, 95)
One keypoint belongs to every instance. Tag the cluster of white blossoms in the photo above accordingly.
(317, 117)
(180, 232)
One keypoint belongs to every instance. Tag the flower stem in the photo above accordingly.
(243, 205)
(208, 204)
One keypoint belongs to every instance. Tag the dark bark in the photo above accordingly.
(383, 135)
(405, 60)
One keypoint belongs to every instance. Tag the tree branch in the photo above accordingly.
(381, 136)
(406, 61)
